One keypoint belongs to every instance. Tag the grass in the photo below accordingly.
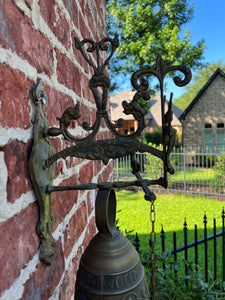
(203, 175)
(195, 175)
(171, 210)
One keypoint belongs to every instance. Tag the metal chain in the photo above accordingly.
(152, 249)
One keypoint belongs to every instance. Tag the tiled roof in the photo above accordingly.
(154, 115)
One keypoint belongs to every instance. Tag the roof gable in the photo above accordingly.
(201, 92)
(153, 116)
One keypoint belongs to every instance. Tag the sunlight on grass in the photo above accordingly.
(133, 213)
(170, 211)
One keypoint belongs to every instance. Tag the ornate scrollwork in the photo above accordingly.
(87, 147)
(43, 156)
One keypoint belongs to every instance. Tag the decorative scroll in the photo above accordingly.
(43, 156)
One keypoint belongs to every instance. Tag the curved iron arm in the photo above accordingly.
(43, 156)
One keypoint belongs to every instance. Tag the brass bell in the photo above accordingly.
(110, 267)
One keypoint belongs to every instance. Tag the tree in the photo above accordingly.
(149, 27)
(198, 81)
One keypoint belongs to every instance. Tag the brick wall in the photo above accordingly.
(208, 109)
(36, 41)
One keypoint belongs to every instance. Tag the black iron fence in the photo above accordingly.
(218, 249)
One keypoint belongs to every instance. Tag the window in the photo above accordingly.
(132, 129)
(219, 141)
(208, 126)
(208, 142)
(220, 125)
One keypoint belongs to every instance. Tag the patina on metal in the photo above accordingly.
(43, 157)
(41, 176)
(110, 267)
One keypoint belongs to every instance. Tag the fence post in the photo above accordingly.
(185, 247)
(196, 246)
(117, 169)
(223, 245)
(185, 185)
(175, 249)
(214, 245)
(163, 236)
(206, 249)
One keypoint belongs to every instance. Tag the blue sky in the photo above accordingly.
(208, 23)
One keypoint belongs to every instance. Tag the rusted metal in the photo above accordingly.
(87, 147)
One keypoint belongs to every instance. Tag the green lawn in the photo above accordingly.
(133, 214)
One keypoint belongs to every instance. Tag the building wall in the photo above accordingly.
(209, 109)
(36, 41)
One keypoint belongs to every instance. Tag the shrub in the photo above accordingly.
(219, 171)
(171, 286)
(154, 137)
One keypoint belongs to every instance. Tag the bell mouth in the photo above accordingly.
(105, 211)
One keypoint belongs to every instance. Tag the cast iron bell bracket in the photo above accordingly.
(43, 156)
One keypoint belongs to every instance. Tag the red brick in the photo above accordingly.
(68, 285)
(83, 27)
(87, 93)
(72, 8)
(20, 36)
(70, 78)
(89, 233)
(86, 173)
(44, 280)
(15, 90)
(76, 226)
(19, 243)
(79, 57)
(62, 202)
(57, 103)
(56, 21)
(16, 159)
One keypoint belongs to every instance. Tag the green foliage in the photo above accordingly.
(154, 137)
(171, 211)
(219, 171)
(197, 83)
(179, 287)
(149, 27)
(171, 284)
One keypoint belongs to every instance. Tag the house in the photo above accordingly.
(153, 118)
(203, 120)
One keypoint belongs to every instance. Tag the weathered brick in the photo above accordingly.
(86, 91)
(79, 57)
(15, 90)
(68, 285)
(86, 173)
(18, 34)
(72, 8)
(90, 232)
(19, 243)
(70, 78)
(57, 103)
(56, 21)
(16, 159)
(62, 202)
(91, 196)
(83, 27)
(44, 280)
(76, 226)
